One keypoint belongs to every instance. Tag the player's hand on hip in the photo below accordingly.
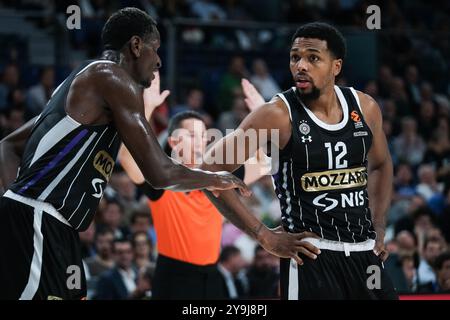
(227, 181)
(289, 245)
(380, 250)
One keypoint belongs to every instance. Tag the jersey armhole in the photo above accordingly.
(286, 103)
(355, 94)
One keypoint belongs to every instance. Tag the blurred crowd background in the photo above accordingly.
(207, 47)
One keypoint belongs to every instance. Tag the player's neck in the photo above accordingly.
(326, 103)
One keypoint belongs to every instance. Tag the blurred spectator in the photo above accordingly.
(371, 89)
(431, 249)
(119, 283)
(9, 81)
(143, 251)
(140, 221)
(87, 239)
(230, 265)
(232, 119)
(427, 92)
(410, 272)
(263, 276)
(427, 116)
(412, 84)
(406, 243)
(263, 81)
(207, 10)
(39, 94)
(404, 187)
(126, 192)
(399, 95)
(409, 146)
(230, 82)
(112, 217)
(103, 259)
(428, 186)
(385, 79)
(10, 120)
(389, 110)
(444, 218)
(194, 102)
(438, 152)
(144, 284)
(442, 270)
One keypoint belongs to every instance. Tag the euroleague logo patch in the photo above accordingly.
(355, 116)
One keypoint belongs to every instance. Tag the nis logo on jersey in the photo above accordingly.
(104, 164)
(334, 179)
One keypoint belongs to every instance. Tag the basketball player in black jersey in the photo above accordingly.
(333, 158)
(65, 158)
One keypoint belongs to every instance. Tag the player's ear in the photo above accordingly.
(136, 44)
(337, 66)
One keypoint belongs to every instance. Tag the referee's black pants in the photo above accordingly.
(179, 280)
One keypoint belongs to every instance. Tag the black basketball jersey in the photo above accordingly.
(322, 177)
(66, 163)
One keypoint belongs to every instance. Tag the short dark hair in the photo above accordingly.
(147, 238)
(138, 213)
(101, 231)
(228, 252)
(441, 259)
(122, 240)
(324, 31)
(175, 122)
(124, 24)
(429, 240)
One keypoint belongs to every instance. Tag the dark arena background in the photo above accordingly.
(398, 52)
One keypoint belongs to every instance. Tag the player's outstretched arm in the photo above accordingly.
(270, 116)
(125, 101)
(11, 150)
(380, 172)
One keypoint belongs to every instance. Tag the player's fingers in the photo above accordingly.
(308, 246)
(297, 258)
(306, 252)
(383, 255)
(245, 192)
(215, 193)
(243, 188)
(307, 234)
(165, 94)
(156, 80)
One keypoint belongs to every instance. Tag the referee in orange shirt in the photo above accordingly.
(188, 226)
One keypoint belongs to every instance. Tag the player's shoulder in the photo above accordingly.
(275, 109)
(110, 77)
(369, 107)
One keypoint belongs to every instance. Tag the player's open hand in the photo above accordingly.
(153, 97)
(253, 98)
(226, 181)
(288, 245)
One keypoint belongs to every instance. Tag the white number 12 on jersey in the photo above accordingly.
(338, 147)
